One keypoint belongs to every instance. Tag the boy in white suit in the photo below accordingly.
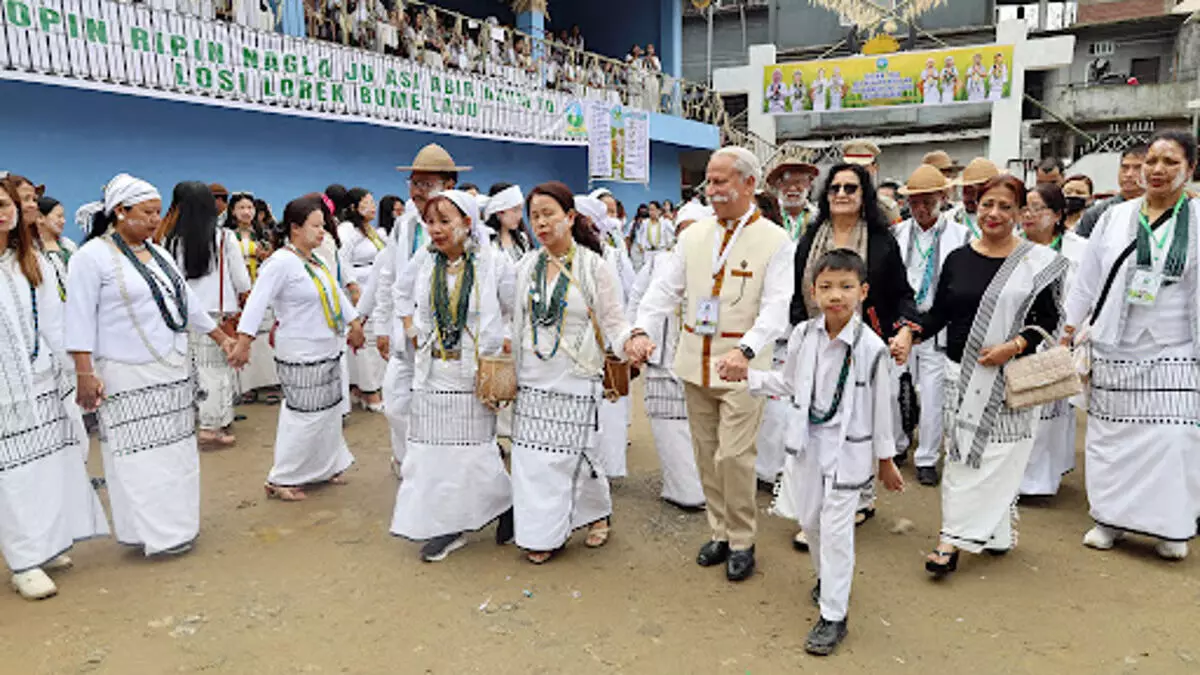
(839, 431)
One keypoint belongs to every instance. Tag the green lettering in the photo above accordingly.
(268, 87)
(96, 31)
(390, 78)
(18, 14)
(414, 103)
(204, 77)
(287, 87)
(322, 95)
(48, 18)
(178, 46)
(435, 83)
(271, 62)
(250, 58)
(181, 79)
(406, 80)
(325, 69)
(469, 89)
(399, 100)
(306, 90)
(225, 80)
(216, 52)
(364, 95)
(290, 64)
(72, 25)
(139, 39)
(338, 92)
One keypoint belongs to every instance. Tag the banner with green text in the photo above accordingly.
(134, 49)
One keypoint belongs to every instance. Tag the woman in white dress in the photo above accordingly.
(314, 316)
(558, 481)
(129, 309)
(257, 380)
(453, 479)
(1143, 430)
(211, 262)
(931, 84)
(1053, 453)
(656, 234)
(820, 86)
(503, 216)
(50, 242)
(46, 501)
(998, 78)
(361, 245)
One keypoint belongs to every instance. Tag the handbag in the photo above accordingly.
(229, 322)
(617, 373)
(910, 406)
(1042, 377)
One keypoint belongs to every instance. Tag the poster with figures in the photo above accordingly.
(637, 146)
(600, 155)
(618, 143)
(979, 74)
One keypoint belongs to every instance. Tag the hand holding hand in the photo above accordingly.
(384, 344)
(734, 366)
(1068, 336)
(89, 391)
(356, 339)
(639, 348)
(900, 345)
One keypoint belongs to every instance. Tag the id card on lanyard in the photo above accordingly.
(708, 309)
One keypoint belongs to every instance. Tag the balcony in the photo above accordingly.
(1084, 104)
(417, 66)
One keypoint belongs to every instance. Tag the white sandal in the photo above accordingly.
(34, 584)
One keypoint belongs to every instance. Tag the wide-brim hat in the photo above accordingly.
(862, 153)
(941, 160)
(926, 179)
(978, 172)
(791, 158)
(433, 158)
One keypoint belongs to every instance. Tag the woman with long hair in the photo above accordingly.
(316, 321)
(1077, 193)
(656, 234)
(453, 480)
(47, 500)
(215, 270)
(257, 379)
(391, 208)
(1044, 222)
(361, 246)
(989, 294)
(1136, 301)
(129, 309)
(848, 216)
(27, 196)
(51, 244)
(567, 306)
(503, 216)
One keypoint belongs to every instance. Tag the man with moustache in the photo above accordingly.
(978, 172)
(1129, 178)
(733, 274)
(791, 178)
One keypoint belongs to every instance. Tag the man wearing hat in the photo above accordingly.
(925, 240)
(220, 194)
(866, 154)
(791, 178)
(431, 172)
(940, 160)
(978, 172)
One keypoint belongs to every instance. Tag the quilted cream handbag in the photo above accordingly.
(1043, 377)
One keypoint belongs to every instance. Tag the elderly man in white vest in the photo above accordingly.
(734, 275)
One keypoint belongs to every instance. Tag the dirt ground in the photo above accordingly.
(321, 587)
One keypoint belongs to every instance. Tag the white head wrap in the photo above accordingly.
(125, 190)
(593, 208)
(503, 201)
(693, 211)
(601, 192)
(85, 213)
(467, 204)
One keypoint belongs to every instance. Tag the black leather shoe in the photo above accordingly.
(901, 458)
(504, 528)
(816, 595)
(740, 565)
(825, 637)
(713, 553)
(928, 476)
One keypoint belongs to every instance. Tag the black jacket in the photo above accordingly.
(889, 298)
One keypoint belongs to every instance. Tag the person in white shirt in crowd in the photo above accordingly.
(47, 501)
(504, 215)
(56, 248)
(568, 307)
(1053, 456)
(129, 309)
(316, 321)
(215, 270)
(432, 171)
(735, 275)
(257, 379)
(925, 240)
(979, 171)
(656, 234)
(1136, 302)
(361, 248)
(453, 480)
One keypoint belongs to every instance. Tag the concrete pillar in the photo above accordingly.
(533, 23)
(670, 40)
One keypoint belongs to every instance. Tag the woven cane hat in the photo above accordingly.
(791, 157)
(927, 178)
(978, 172)
(940, 160)
(433, 158)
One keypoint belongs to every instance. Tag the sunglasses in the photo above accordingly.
(844, 188)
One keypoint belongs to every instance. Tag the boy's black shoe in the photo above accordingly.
(928, 476)
(825, 637)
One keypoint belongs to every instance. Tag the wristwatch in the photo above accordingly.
(746, 352)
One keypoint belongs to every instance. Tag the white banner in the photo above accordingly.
(637, 146)
(134, 49)
(600, 147)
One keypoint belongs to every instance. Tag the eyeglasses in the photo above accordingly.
(844, 188)
(423, 184)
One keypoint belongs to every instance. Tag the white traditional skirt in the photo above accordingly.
(260, 370)
(148, 439)
(453, 478)
(397, 397)
(667, 410)
(217, 382)
(1143, 440)
(770, 446)
(1053, 453)
(979, 505)
(46, 500)
(367, 367)
(309, 444)
(558, 480)
(613, 443)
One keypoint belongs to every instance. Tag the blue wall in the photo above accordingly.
(75, 140)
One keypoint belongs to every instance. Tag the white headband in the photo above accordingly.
(693, 212)
(467, 204)
(125, 190)
(85, 213)
(503, 201)
(601, 192)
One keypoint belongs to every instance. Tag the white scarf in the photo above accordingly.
(16, 373)
(125, 190)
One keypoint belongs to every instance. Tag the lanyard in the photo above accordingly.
(1144, 221)
(971, 225)
(926, 255)
(373, 237)
(250, 253)
(721, 255)
(330, 306)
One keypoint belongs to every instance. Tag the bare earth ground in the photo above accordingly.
(320, 587)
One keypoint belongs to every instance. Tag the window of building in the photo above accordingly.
(1146, 69)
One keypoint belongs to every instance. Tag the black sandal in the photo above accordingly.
(940, 570)
(867, 514)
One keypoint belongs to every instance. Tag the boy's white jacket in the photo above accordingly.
(866, 410)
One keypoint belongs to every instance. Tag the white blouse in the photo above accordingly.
(111, 312)
(285, 286)
(237, 277)
(358, 254)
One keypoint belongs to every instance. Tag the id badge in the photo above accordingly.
(1143, 288)
(708, 311)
